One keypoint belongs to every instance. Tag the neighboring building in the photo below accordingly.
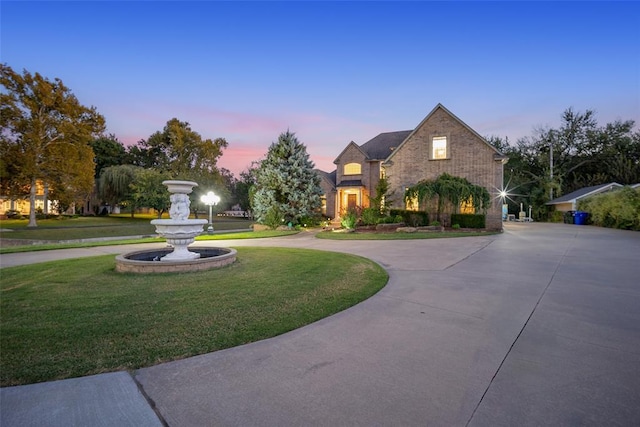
(441, 143)
(569, 202)
(23, 206)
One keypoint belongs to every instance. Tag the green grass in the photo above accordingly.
(400, 236)
(79, 317)
(67, 228)
(225, 236)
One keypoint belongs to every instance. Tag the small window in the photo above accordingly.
(466, 206)
(411, 203)
(352, 169)
(439, 147)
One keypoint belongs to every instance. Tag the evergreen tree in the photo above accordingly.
(287, 188)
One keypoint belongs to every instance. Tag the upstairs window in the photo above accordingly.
(439, 148)
(352, 169)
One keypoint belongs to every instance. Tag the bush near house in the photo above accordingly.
(411, 218)
(469, 220)
(617, 209)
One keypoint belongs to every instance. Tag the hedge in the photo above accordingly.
(412, 218)
(469, 220)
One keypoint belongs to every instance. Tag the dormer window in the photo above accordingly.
(352, 169)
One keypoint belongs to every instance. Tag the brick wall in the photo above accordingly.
(469, 157)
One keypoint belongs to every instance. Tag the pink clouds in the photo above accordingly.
(249, 134)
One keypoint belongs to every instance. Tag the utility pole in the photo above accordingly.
(551, 169)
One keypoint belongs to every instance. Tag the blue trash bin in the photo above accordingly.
(580, 218)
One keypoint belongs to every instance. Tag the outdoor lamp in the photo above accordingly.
(210, 199)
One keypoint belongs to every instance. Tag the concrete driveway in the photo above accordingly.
(537, 326)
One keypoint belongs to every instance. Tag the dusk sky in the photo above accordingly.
(332, 72)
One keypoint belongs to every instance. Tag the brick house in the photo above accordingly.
(441, 143)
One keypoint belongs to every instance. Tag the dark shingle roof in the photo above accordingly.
(329, 176)
(351, 183)
(380, 147)
(586, 191)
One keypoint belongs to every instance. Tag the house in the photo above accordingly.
(569, 202)
(441, 143)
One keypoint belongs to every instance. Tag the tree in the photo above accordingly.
(452, 191)
(579, 152)
(243, 187)
(46, 130)
(286, 184)
(115, 184)
(148, 191)
(72, 183)
(108, 152)
(179, 150)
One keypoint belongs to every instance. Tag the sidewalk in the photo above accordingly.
(537, 326)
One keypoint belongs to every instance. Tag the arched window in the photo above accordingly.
(352, 169)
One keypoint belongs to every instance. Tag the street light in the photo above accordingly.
(210, 199)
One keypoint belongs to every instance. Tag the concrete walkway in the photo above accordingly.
(536, 326)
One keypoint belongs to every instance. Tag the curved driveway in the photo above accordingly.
(537, 326)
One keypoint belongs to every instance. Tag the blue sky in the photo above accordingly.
(332, 72)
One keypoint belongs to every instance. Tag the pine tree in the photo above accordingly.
(287, 188)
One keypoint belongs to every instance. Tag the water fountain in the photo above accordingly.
(180, 232)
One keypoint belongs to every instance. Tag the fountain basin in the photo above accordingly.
(148, 261)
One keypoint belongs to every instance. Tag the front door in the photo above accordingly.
(351, 201)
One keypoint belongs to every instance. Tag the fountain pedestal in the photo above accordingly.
(180, 231)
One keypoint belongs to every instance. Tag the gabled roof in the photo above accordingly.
(380, 147)
(585, 192)
(498, 155)
(346, 148)
(330, 177)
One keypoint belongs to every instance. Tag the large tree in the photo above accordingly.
(108, 151)
(579, 153)
(46, 131)
(148, 191)
(179, 150)
(287, 187)
(115, 185)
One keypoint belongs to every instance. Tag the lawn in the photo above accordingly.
(69, 228)
(399, 236)
(79, 317)
(65, 233)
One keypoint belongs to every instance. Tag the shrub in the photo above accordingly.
(370, 216)
(13, 214)
(349, 219)
(273, 218)
(469, 220)
(456, 226)
(617, 209)
(412, 218)
(556, 216)
(435, 224)
(309, 221)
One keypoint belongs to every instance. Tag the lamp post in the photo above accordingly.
(210, 199)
